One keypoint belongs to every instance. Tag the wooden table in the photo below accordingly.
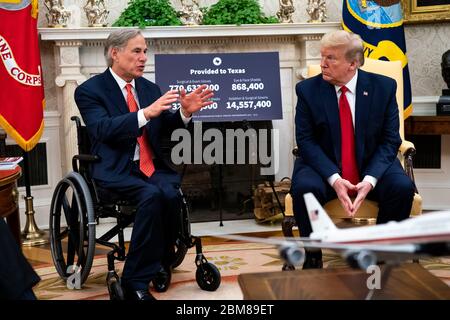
(427, 125)
(9, 204)
(410, 281)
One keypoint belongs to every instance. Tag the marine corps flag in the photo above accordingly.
(21, 88)
(380, 25)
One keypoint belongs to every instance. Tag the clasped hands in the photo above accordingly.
(342, 187)
(190, 102)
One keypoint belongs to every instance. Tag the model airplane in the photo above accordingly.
(393, 242)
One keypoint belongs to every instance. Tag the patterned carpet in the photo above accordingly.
(231, 258)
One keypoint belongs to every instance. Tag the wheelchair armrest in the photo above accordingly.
(86, 157)
(83, 158)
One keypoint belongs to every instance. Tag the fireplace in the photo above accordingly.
(223, 190)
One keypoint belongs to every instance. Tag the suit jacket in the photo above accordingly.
(113, 129)
(318, 133)
(16, 274)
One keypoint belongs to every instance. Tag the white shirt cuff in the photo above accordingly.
(141, 118)
(331, 180)
(184, 118)
(372, 180)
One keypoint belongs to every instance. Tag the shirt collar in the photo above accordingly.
(122, 83)
(351, 85)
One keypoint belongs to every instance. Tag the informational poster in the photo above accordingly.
(246, 85)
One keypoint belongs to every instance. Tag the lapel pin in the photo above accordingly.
(365, 93)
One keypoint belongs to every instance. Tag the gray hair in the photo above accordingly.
(118, 39)
(350, 41)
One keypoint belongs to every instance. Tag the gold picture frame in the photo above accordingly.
(426, 11)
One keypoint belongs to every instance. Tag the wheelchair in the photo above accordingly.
(76, 208)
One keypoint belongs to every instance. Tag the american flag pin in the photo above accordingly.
(365, 93)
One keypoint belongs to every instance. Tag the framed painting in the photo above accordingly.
(426, 11)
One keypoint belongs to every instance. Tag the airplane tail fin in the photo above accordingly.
(320, 221)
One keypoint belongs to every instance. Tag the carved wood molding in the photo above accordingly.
(221, 31)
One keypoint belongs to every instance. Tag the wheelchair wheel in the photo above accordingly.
(72, 227)
(208, 277)
(180, 252)
(184, 234)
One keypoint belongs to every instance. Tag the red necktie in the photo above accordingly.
(348, 153)
(145, 154)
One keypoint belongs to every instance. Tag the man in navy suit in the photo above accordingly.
(345, 159)
(125, 115)
(17, 276)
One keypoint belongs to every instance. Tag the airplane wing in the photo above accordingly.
(357, 255)
(364, 255)
(310, 243)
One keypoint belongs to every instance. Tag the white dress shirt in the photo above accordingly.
(351, 98)
(142, 121)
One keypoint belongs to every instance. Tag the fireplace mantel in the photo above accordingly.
(78, 55)
(252, 30)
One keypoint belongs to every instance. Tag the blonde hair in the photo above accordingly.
(350, 41)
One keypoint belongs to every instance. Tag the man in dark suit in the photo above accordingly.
(347, 131)
(17, 277)
(125, 115)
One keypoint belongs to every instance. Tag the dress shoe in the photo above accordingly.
(162, 279)
(313, 260)
(312, 263)
(138, 295)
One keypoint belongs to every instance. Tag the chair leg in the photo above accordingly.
(287, 267)
(287, 225)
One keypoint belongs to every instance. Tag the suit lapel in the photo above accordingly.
(143, 96)
(115, 92)
(364, 98)
(331, 108)
(146, 94)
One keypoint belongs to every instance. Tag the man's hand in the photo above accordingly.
(363, 188)
(342, 186)
(163, 103)
(195, 100)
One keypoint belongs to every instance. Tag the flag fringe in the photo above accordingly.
(26, 145)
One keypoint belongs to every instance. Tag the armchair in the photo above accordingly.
(368, 211)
